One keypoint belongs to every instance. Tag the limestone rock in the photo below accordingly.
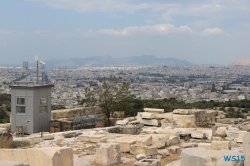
(140, 156)
(147, 115)
(200, 156)
(154, 110)
(3, 130)
(163, 152)
(198, 134)
(108, 154)
(220, 145)
(173, 140)
(48, 137)
(181, 111)
(184, 121)
(150, 122)
(189, 145)
(125, 143)
(241, 136)
(148, 162)
(221, 131)
(146, 141)
(160, 140)
(146, 150)
(246, 148)
(174, 149)
(204, 145)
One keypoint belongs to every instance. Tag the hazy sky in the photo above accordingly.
(200, 31)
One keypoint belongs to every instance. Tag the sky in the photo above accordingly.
(200, 31)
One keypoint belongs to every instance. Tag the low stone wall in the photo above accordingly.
(49, 156)
(75, 112)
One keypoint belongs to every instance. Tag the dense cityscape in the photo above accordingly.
(189, 84)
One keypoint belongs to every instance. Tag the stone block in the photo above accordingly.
(221, 131)
(51, 156)
(221, 145)
(198, 134)
(233, 133)
(108, 154)
(92, 138)
(140, 156)
(167, 130)
(246, 127)
(241, 135)
(204, 145)
(48, 137)
(148, 162)
(163, 152)
(146, 150)
(246, 148)
(174, 149)
(184, 121)
(181, 111)
(122, 122)
(154, 110)
(146, 141)
(125, 143)
(200, 156)
(167, 116)
(160, 140)
(150, 122)
(173, 140)
(147, 115)
(189, 145)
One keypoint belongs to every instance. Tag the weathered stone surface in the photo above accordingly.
(92, 138)
(146, 150)
(167, 130)
(3, 130)
(189, 145)
(150, 122)
(146, 141)
(49, 156)
(108, 154)
(241, 135)
(48, 137)
(200, 156)
(7, 126)
(184, 121)
(126, 142)
(160, 140)
(174, 149)
(140, 156)
(163, 152)
(167, 116)
(6, 140)
(246, 127)
(182, 111)
(198, 134)
(246, 148)
(12, 163)
(174, 163)
(221, 131)
(205, 118)
(185, 131)
(122, 122)
(147, 115)
(173, 140)
(220, 145)
(154, 110)
(233, 133)
(148, 162)
(204, 145)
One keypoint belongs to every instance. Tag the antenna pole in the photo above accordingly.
(36, 69)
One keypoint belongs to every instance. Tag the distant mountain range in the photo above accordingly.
(100, 61)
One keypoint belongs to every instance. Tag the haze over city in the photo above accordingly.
(201, 32)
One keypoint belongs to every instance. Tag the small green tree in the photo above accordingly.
(110, 94)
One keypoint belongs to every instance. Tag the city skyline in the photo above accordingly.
(214, 32)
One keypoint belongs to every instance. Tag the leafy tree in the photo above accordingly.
(110, 94)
